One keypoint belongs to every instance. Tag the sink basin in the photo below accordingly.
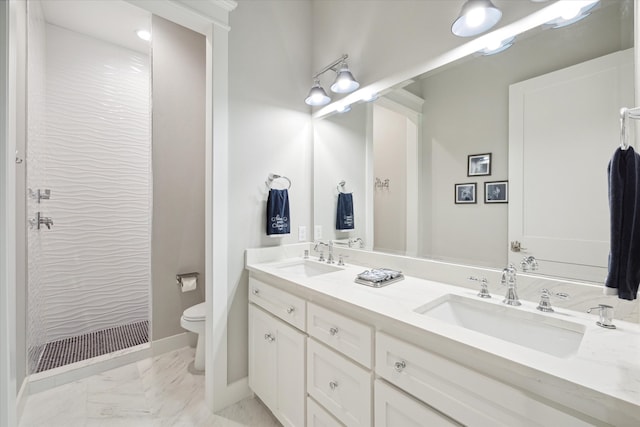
(539, 332)
(306, 268)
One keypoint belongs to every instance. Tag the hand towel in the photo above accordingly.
(278, 213)
(624, 206)
(344, 215)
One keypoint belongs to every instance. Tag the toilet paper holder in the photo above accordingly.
(179, 277)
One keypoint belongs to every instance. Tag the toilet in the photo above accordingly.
(193, 320)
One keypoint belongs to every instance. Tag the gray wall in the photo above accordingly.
(178, 149)
(269, 131)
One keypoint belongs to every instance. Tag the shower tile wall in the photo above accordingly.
(89, 142)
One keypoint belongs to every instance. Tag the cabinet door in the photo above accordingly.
(396, 409)
(262, 356)
(338, 384)
(290, 368)
(317, 416)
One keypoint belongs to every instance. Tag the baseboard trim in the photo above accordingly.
(21, 398)
(165, 345)
(235, 392)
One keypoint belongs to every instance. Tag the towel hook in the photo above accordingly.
(624, 142)
(340, 186)
(272, 177)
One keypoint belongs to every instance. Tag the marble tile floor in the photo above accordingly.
(154, 392)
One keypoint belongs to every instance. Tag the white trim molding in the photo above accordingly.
(8, 46)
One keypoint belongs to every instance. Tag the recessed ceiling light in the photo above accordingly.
(144, 35)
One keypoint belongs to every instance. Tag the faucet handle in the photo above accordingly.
(545, 299)
(484, 290)
(341, 258)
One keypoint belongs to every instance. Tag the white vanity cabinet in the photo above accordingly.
(317, 416)
(393, 408)
(277, 366)
(463, 394)
(334, 379)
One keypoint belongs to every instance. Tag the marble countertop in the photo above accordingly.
(605, 369)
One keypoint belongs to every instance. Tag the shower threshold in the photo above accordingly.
(82, 347)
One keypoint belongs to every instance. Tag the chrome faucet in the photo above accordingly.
(509, 280)
(352, 242)
(330, 259)
(529, 263)
(316, 248)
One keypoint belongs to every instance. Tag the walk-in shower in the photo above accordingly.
(89, 180)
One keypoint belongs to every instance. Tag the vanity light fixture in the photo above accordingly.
(476, 16)
(573, 12)
(498, 46)
(369, 97)
(317, 95)
(343, 108)
(344, 83)
(144, 35)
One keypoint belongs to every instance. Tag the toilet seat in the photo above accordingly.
(196, 313)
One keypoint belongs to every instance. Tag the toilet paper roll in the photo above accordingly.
(188, 284)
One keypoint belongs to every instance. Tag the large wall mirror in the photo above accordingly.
(405, 155)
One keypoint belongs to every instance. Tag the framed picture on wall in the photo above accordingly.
(479, 164)
(465, 193)
(496, 192)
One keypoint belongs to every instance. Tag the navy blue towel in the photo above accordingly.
(344, 215)
(278, 212)
(624, 205)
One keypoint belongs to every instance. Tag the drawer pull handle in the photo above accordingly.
(291, 310)
(256, 291)
(269, 337)
(333, 331)
(333, 385)
(399, 366)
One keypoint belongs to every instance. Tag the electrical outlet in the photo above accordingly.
(302, 233)
(317, 232)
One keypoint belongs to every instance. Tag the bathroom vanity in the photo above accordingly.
(326, 351)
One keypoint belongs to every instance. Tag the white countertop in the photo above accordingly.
(607, 365)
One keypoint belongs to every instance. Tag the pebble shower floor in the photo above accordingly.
(82, 347)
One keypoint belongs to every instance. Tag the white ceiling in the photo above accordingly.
(115, 21)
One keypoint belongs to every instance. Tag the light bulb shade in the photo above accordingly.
(476, 16)
(500, 47)
(576, 15)
(345, 82)
(317, 96)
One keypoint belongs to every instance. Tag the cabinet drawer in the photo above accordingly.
(394, 408)
(289, 308)
(349, 337)
(317, 416)
(339, 385)
(468, 396)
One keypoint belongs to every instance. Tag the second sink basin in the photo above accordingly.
(539, 332)
(306, 268)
